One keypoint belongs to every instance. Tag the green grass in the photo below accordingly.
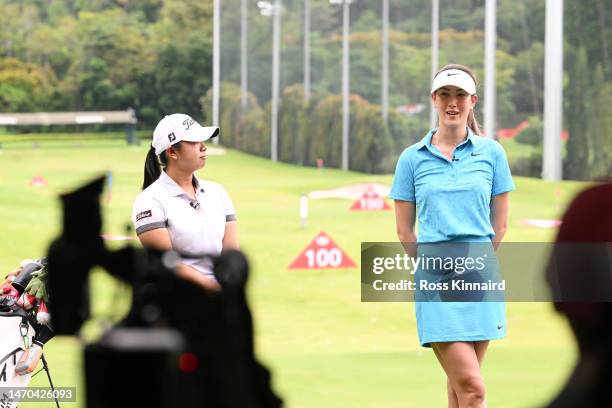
(325, 347)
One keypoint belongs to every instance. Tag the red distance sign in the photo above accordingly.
(322, 253)
(370, 201)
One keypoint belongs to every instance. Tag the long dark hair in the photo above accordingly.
(154, 164)
(471, 121)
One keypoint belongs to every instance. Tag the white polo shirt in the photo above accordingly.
(195, 227)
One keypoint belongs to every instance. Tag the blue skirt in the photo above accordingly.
(479, 314)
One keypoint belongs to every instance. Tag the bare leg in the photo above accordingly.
(453, 402)
(462, 367)
(481, 348)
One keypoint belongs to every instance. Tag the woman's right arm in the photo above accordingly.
(159, 239)
(405, 216)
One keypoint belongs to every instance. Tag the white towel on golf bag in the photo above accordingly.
(11, 340)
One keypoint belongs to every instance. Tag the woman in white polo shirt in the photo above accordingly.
(178, 211)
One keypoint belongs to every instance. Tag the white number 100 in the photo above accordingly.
(323, 257)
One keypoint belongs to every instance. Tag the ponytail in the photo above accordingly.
(473, 123)
(152, 168)
(154, 165)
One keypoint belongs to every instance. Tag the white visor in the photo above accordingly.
(454, 77)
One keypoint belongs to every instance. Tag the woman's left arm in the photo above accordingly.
(499, 216)
(230, 238)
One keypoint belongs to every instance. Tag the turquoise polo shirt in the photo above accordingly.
(452, 196)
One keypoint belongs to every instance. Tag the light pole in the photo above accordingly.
(345, 79)
(306, 50)
(274, 10)
(553, 91)
(385, 61)
(490, 37)
(216, 63)
(435, 45)
(244, 28)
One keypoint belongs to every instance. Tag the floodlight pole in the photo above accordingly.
(216, 63)
(345, 83)
(275, 78)
(306, 50)
(435, 45)
(345, 79)
(274, 10)
(490, 39)
(553, 91)
(244, 87)
(385, 61)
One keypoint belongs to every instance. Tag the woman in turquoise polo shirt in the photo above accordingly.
(456, 183)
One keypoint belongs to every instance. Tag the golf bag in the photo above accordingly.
(16, 334)
(24, 326)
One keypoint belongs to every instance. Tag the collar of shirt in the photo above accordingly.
(426, 141)
(174, 188)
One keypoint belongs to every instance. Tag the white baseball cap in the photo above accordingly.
(455, 77)
(178, 127)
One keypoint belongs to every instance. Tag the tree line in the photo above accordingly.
(65, 55)
(155, 56)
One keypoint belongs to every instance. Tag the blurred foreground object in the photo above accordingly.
(179, 345)
(584, 273)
